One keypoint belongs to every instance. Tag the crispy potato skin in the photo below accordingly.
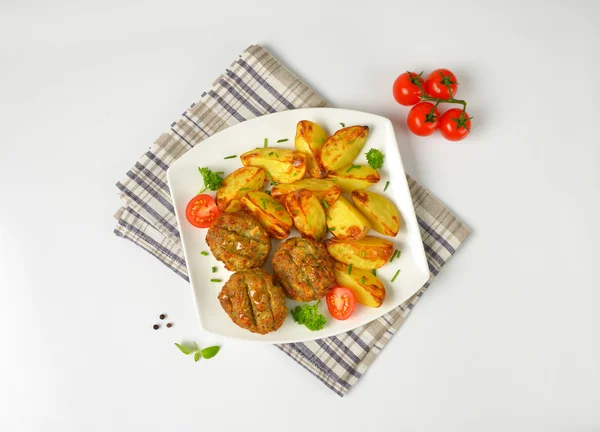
(310, 138)
(254, 301)
(269, 213)
(229, 194)
(323, 189)
(368, 253)
(308, 214)
(345, 221)
(380, 211)
(239, 241)
(283, 165)
(304, 269)
(343, 146)
(349, 179)
(370, 293)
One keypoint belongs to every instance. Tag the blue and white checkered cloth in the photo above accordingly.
(254, 85)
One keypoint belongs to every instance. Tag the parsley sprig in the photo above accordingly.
(206, 353)
(212, 180)
(309, 316)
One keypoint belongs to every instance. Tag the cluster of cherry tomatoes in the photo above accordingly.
(440, 86)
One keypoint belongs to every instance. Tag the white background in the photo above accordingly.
(507, 337)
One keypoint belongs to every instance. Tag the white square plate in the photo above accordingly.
(185, 181)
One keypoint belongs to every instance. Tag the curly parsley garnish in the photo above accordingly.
(309, 316)
(212, 180)
(375, 158)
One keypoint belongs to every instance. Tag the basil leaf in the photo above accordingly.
(197, 356)
(210, 352)
(184, 349)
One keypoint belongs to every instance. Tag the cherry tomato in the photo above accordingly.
(435, 84)
(406, 90)
(340, 302)
(421, 121)
(454, 125)
(202, 211)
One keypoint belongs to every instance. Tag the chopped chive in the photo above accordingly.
(271, 153)
(374, 272)
(295, 212)
(352, 167)
(264, 204)
(266, 143)
(243, 189)
(268, 192)
(214, 269)
(350, 269)
(331, 229)
(282, 140)
(387, 183)
(324, 203)
(216, 280)
(204, 253)
(278, 208)
(328, 217)
(363, 280)
(393, 256)
(322, 141)
(343, 125)
(350, 142)
(276, 155)
(230, 157)
(396, 275)
(295, 174)
(397, 254)
(308, 220)
(363, 254)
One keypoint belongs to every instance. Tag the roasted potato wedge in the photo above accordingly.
(307, 213)
(354, 177)
(269, 213)
(345, 221)
(310, 138)
(368, 253)
(343, 146)
(380, 211)
(369, 290)
(282, 165)
(236, 185)
(323, 189)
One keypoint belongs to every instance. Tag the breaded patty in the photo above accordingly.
(239, 241)
(254, 301)
(304, 269)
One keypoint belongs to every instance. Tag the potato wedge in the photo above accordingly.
(307, 213)
(345, 221)
(269, 213)
(380, 211)
(343, 146)
(282, 165)
(354, 177)
(367, 289)
(369, 253)
(236, 185)
(310, 138)
(323, 189)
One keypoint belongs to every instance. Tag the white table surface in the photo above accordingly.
(506, 338)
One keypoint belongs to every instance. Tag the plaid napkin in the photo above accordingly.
(254, 85)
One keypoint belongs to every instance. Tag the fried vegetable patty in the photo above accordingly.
(239, 241)
(304, 269)
(254, 301)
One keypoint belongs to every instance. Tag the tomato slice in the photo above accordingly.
(340, 302)
(202, 211)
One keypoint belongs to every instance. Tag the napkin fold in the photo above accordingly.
(256, 84)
